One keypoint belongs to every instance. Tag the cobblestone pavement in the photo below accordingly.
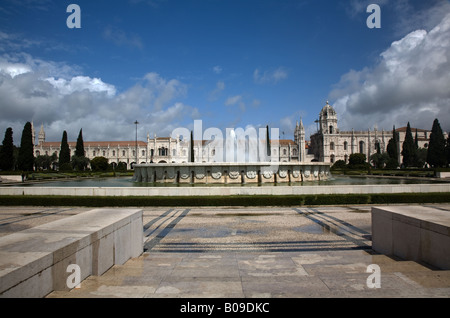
(249, 252)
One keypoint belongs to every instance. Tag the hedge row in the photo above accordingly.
(256, 200)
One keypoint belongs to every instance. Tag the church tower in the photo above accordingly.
(41, 136)
(328, 120)
(299, 139)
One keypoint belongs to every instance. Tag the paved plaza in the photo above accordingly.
(256, 252)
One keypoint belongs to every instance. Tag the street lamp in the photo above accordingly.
(136, 123)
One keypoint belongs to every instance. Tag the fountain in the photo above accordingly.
(232, 173)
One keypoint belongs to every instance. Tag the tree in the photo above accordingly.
(447, 150)
(357, 160)
(99, 164)
(79, 149)
(269, 150)
(25, 160)
(79, 161)
(192, 148)
(339, 164)
(379, 159)
(436, 147)
(44, 162)
(7, 152)
(408, 148)
(64, 153)
(392, 151)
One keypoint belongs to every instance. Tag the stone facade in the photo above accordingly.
(165, 149)
(330, 144)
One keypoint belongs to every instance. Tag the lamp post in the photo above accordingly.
(136, 123)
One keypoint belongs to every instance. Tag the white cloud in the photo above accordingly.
(34, 90)
(235, 100)
(410, 83)
(217, 69)
(220, 87)
(273, 76)
(80, 83)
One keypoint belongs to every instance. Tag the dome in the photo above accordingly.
(327, 111)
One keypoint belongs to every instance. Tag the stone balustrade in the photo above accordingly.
(231, 173)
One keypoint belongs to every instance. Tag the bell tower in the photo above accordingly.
(328, 120)
(299, 140)
(41, 136)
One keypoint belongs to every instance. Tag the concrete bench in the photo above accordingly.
(34, 262)
(414, 233)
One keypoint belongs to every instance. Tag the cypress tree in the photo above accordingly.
(447, 150)
(192, 148)
(436, 147)
(392, 150)
(269, 150)
(408, 148)
(79, 149)
(25, 159)
(64, 154)
(7, 152)
(79, 161)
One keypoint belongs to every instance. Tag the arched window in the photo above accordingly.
(143, 153)
(114, 153)
(345, 145)
(332, 158)
(331, 129)
(38, 153)
(331, 145)
(284, 152)
(361, 147)
(123, 153)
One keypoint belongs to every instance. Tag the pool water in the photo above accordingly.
(128, 182)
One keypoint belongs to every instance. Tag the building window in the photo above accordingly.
(332, 158)
(174, 152)
(331, 145)
(345, 145)
(143, 153)
(331, 130)
(104, 153)
(123, 153)
(38, 153)
(284, 152)
(114, 153)
(361, 147)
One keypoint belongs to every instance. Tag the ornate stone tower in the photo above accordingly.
(328, 120)
(299, 139)
(41, 136)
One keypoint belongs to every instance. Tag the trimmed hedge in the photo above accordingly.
(254, 200)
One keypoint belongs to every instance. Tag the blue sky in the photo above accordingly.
(229, 63)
